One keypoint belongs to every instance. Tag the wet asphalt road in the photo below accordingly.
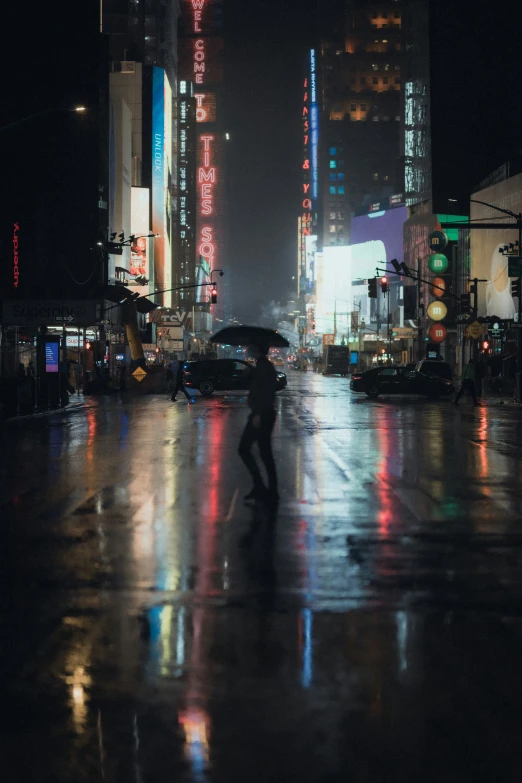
(370, 632)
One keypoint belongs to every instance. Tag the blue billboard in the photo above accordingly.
(158, 173)
(52, 356)
(314, 123)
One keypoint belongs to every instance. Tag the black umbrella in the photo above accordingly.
(249, 335)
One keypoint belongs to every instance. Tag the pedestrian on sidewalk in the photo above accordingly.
(259, 427)
(468, 383)
(178, 383)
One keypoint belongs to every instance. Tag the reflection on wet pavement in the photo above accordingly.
(156, 628)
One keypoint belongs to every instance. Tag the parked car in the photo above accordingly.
(221, 374)
(400, 380)
(435, 369)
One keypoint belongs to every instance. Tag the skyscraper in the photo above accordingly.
(361, 82)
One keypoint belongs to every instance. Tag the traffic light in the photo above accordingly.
(372, 288)
(465, 303)
(384, 285)
(515, 288)
(213, 295)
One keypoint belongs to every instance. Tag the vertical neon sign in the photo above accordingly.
(305, 223)
(16, 257)
(314, 118)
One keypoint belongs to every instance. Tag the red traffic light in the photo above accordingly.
(384, 284)
(213, 295)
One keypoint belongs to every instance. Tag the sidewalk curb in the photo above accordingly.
(78, 406)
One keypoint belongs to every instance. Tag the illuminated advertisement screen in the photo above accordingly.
(161, 180)
(386, 227)
(139, 260)
(52, 357)
(158, 174)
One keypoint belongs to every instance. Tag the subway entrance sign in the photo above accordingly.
(50, 312)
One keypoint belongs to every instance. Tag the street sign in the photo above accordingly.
(437, 240)
(139, 373)
(475, 330)
(514, 266)
(37, 312)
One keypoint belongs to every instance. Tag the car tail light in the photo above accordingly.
(356, 377)
(187, 372)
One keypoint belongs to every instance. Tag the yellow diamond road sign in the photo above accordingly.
(475, 330)
(139, 373)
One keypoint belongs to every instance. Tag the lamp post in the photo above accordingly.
(29, 117)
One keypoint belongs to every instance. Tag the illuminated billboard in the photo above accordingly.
(141, 248)
(387, 227)
(341, 283)
(487, 263)
(161, 181)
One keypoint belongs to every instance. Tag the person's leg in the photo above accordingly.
(461, 392)
(185, 392)
(176, 390)
(265, 450)
(248, 438)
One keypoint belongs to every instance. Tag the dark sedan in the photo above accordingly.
(209, 375)
(400, 380)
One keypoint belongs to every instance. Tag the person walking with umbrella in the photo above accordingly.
(261, 401)
(259, 427)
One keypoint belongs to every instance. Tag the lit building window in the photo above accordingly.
(331, 229)
(375, 118)
(341, 190)
(333, 190)
(375, 67)
(332, 215)
(340, 229)
(333, 177)
(397, 118)
(340, 177)
(387, 67)
(333, 151)
(375, 176)
(340, 216)
(333, 164)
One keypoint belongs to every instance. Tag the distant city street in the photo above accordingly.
(157, 628)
